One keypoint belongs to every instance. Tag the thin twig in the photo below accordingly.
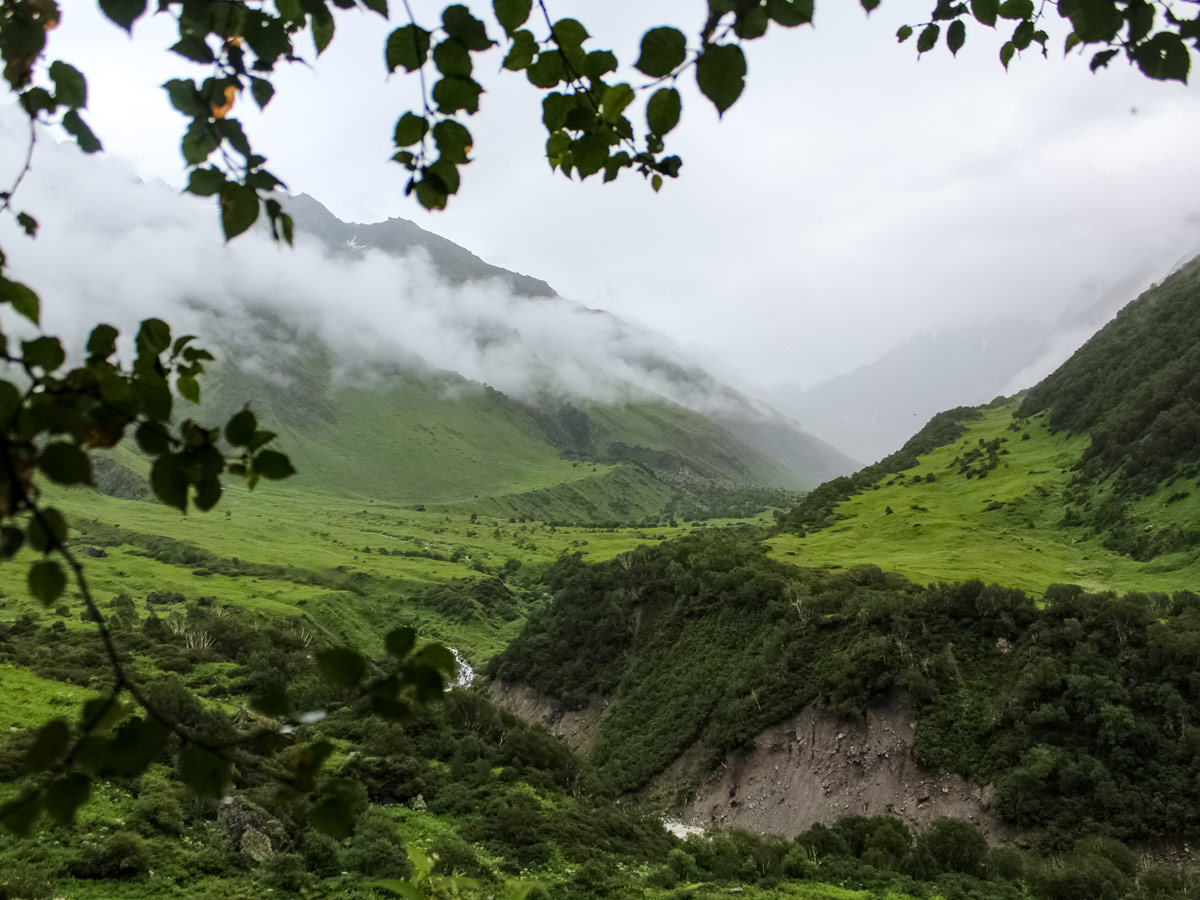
(8, 196)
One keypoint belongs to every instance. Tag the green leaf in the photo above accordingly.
(452, 94)
(45, 352)
(124, 12)
(198, 143)
(102, 342)
(752, 23)
(36, 100)
(271, 702)
(985, 11)
(1164, 57)
(400, 641)
(869, 5)
(548, 70)
(663, 50)
(451, 57)
(928, 39)
(1141, 20)
(47, 581)
(453, 140)
(1007, 51)
(273, 465)
(65, 463)
(569, 34)
(66, 795)
(459, 23)
(206, 182)
(11, 540)
(1016, 9)
(1022, 35)
(19, 815)
(438, 657)
(195, 48)
(589, 154)
(70, 87)
(203, 771)
(322, 29)
(904, 33)
(188, 387)
(151, 439)
(342, 665)
(721, 74)
(407, 46)
(76, 127)
(377, 6)
(663, 110)
(153, 337)
(169, 481)
(523, 50)
(240, 428)
(599, 63)
(49, 746)
(790, 13)
(614, 102)
(262, 91)
(333, 816)
(512, 14)
(24, 301)
(239, 209)
(47, 531)
(956, 36)
(1101, 59)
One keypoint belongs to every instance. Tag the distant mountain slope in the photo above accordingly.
(871, 411)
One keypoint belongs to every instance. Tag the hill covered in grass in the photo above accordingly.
(1087, 478)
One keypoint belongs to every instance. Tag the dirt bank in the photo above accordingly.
(816, 767)
(576, 727)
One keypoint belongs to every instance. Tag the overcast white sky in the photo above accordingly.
(852, 198)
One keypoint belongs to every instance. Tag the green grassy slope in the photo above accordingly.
(282, 550)
(1006, 527)
(1088, 479)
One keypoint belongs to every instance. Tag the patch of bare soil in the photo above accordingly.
(816, 767)
(576, 727)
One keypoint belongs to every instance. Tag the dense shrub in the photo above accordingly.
(120, 855)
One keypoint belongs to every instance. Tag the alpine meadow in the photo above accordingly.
(493, 553)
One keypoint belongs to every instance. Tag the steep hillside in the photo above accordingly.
(1134, 388)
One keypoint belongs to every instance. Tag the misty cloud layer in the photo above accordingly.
(114, 249)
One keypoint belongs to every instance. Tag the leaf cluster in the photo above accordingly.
(1153, 37)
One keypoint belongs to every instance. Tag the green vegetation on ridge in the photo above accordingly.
(990, 505)
(1083, 710)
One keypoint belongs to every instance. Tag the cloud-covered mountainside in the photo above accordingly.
(356, 312)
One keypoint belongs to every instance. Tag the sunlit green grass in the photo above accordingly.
(318, 541)
(1004, 528)
(27, 701)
